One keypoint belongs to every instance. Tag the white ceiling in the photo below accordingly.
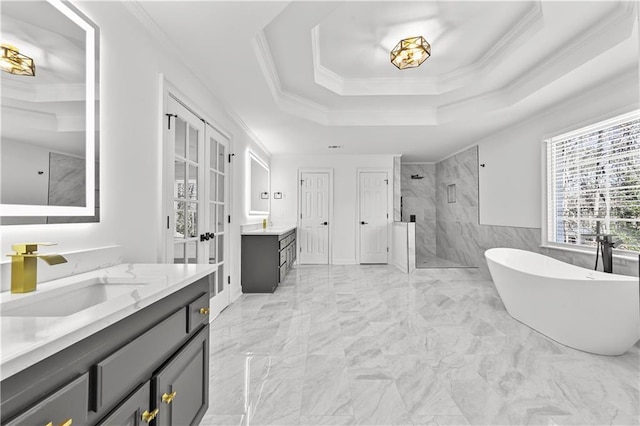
(304, 75)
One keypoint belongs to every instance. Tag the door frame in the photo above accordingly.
(165, 159)
(329, 171)
(389, 172)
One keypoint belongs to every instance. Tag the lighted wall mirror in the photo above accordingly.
(50, 108)
(259, 204)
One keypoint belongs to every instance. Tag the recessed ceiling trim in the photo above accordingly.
(366, 86)
(303, 107)
(597, 39)
(286, 101)
(63, 92)
(138, 11)
(528, 24)
(35, 120)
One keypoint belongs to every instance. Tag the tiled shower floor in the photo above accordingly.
(370, 345)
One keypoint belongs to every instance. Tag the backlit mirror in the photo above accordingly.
(259, 191)
(49, 141)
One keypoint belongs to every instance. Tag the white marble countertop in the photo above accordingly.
(271, 230)
(27, 340)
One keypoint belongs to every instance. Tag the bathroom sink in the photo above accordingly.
(70, 299)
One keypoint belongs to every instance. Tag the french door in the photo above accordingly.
(196, 194)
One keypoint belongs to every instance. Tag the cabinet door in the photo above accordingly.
(130, 411)
(68, 405)
(181, 387)
(134, 362)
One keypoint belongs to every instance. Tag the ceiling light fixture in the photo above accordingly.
(410, 52)
(14, 62)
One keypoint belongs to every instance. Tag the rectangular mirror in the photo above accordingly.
(259, 191)
(49, 140)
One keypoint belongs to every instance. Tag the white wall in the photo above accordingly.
(284, 178)
(131, 148)
(510, 183)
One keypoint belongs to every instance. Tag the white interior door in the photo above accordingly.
(197, 197)
(313, 229)
(374, 216)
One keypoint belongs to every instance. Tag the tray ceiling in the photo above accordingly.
(304, 75)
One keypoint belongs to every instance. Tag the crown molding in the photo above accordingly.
(526, 25)
(303, 107)
(286, 101)
(29, 92)
(606, 33)
(597, 39)
(152, 27)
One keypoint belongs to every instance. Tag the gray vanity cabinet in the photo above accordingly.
(63, 407)
(129, 412)
(119, 375)
(266, 259)
(181, 387)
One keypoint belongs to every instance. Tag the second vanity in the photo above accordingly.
(132, 349)
(267, 256)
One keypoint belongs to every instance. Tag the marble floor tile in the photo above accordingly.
(326, 420)
(378, 402)
(326, 386)
(342, 345)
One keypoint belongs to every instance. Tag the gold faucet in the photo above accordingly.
(24, 267)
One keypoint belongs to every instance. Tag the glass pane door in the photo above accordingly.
(187, 194)
(196, 197)
(218, 172)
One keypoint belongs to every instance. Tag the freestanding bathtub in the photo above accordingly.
(587, 310)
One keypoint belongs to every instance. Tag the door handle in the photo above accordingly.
(363, 223)
(324, 223)
(207, 236)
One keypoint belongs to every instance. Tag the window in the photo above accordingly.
(593, 175)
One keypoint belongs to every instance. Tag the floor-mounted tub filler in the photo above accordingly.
(587, 310)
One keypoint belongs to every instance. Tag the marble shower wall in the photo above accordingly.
(66, 180)
(460, 238)
(457, 233)
(419, 198)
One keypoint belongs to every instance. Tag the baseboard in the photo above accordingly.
(344, 262)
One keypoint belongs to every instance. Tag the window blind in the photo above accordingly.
(593, 174)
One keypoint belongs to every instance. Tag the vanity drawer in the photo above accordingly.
(138, 359)
(69, 403)
(198, 312)
(283, 271)
(283, 256)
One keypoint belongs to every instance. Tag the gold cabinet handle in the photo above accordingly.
(67, 422)
(147, 417)
(168, 397)
(204, 311)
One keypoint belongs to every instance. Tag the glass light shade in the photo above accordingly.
(13, 62)
(410, 52)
